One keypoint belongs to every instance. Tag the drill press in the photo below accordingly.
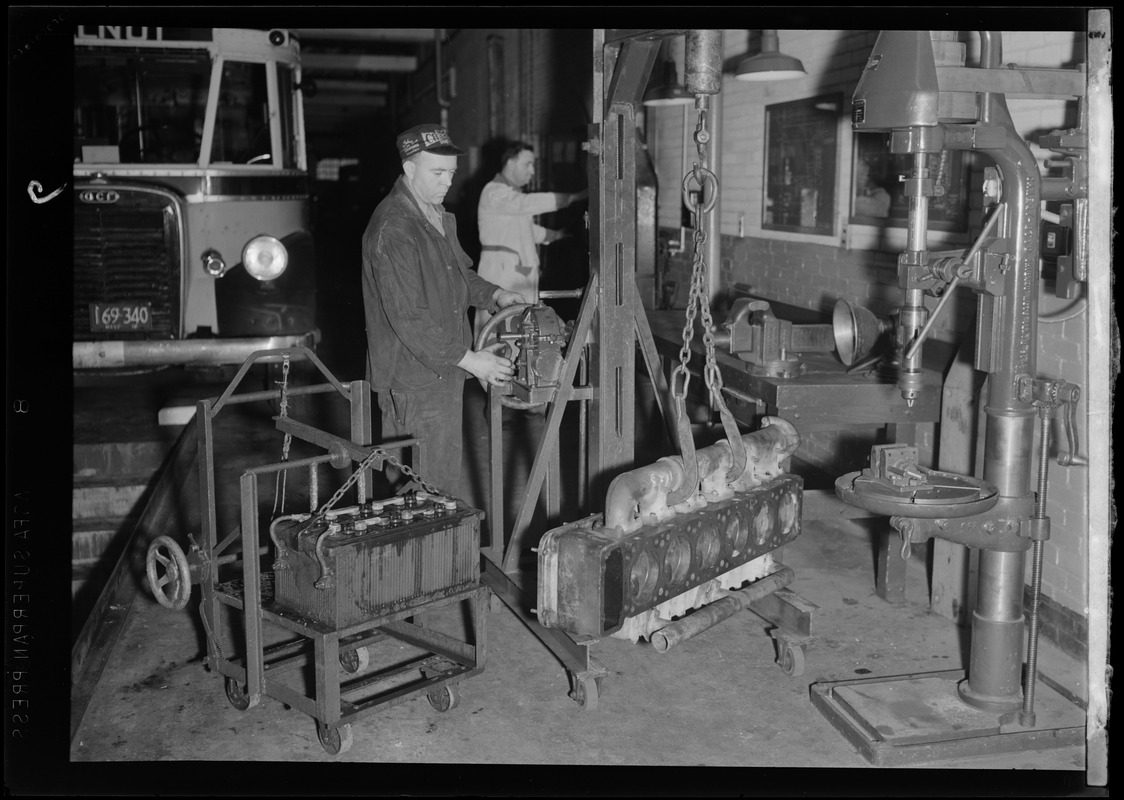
(916, 90)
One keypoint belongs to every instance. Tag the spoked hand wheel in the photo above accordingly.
(503, 321)
(502, 333)
(506, 321)
(172, 589)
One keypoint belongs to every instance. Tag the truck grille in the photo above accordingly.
(127, 251)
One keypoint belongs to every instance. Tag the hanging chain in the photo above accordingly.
(279, 497)
(940, 183)
(679, 387)
(364, 465)
(698, 303)
(429, 487)
(282, 476)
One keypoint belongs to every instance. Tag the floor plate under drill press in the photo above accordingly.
(907, 719)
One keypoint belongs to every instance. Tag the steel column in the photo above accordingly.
(612, 179)
(251, 579)
(362, 430)
(496, 532)
(996, 657)
(326, 664)
(209, 609)
(995, 666)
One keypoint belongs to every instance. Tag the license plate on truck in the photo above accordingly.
(120, 317)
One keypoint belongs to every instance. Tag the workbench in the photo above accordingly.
(824, 397)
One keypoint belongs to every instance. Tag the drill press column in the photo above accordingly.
(899, 94)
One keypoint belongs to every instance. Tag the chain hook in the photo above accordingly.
(705, 203)
(680, 371)
(702, 136)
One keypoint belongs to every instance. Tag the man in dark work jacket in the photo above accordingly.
(417, 287)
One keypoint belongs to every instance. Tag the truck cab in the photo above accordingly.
(192, 225)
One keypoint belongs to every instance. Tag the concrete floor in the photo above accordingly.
(718, 700)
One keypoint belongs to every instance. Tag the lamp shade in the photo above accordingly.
(770, 64)
(667, 96)
(668, 92)
(856, 331)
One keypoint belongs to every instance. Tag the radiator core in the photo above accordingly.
(369, 561)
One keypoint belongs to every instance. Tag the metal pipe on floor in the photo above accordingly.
(710, 615)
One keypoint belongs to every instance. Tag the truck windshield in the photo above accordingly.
(135, 107)
(148, 107)
(242, 122)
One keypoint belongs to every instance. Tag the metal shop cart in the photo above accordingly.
(341, 579)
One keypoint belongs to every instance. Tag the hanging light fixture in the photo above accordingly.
(668, 91)
(770, 64)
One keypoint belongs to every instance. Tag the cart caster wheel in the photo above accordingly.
(792, 659)
(444, 699)
(355, 660)
(335, 740)
(238, 697)
(173, 589)
(587, 693)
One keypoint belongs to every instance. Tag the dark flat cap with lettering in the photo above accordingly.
(427, 137)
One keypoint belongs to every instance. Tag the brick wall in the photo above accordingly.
(858, 263)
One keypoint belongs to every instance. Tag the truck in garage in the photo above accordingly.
(192, 229)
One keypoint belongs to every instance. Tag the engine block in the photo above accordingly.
(591, 579)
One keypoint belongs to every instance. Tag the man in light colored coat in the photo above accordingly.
(509, 235)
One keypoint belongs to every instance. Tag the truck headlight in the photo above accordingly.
(265, 258)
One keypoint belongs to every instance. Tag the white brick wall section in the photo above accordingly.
(1043, 48)
(1071, 561)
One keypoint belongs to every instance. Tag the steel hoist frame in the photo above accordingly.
(602, 358)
